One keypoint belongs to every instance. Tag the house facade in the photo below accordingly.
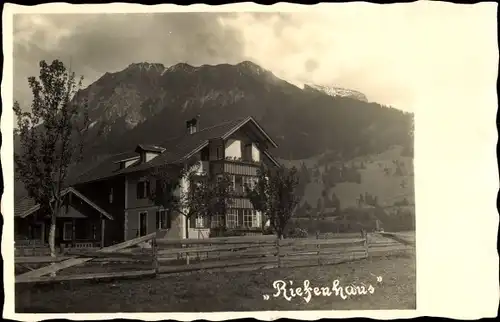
(121, 185)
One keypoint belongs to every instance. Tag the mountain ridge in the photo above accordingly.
(149, 102)
(123, 102)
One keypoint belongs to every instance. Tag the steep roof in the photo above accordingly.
(174, 150)
(25, 206)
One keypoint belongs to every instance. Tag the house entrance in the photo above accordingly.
(143, 224)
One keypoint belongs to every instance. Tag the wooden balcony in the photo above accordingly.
(236, 166)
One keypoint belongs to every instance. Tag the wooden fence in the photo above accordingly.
(161, 256)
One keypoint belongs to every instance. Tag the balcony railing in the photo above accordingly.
(242, 161)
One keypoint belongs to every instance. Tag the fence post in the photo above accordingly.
(318, 247)
(366, 244)
(278, 253)
(154, 249)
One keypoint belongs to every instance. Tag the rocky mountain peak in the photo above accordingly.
(336, 91)
(146, 66)
(181, 67)
(250, 66)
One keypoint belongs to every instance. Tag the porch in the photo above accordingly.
(79, 224)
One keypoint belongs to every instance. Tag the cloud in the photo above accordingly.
(392, 53)
(398, 54)
(97, 43)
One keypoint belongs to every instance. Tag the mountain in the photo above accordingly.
(149, 102)
(336, 91)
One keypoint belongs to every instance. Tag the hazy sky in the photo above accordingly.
(397, 54)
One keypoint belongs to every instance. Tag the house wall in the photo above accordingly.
(199, 233)
(99, 193)
(212, 149)
(136, 206)
(236, 143)
(133, 215)
(132, 201)
(129, 162)
(150, 156)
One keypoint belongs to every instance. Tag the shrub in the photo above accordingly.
(297, 233)
(232, 233)
(222, 232)
(268, 231)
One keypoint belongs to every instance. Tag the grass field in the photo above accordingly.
(388, 189)
(230, 291)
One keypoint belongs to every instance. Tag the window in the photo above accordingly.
(143, 190)
(249, 181)
(216, 221)
(238, 184)
(247, 218)
(68, 231)
(199, 223)
(250, 218)
(219, 153)
(162, 222)
(232, 219)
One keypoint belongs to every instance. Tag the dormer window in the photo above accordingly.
(148, 152)
(125, 163)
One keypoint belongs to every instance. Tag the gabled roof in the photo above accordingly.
(174, 151)
(26, 205)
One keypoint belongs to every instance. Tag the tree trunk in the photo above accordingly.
(52, 235)
(187, 236)
(52, 238)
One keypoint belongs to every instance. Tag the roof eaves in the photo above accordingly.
(243, 122)
(196, 150)
(272, 159)
(127, 159)
(96, 207)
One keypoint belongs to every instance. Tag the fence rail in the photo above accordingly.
(172, 256)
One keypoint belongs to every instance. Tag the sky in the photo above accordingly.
(398, 55)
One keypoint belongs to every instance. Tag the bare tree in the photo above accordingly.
(51, 136)
(274, 196)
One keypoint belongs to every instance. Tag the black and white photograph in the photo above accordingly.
(215, 160)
